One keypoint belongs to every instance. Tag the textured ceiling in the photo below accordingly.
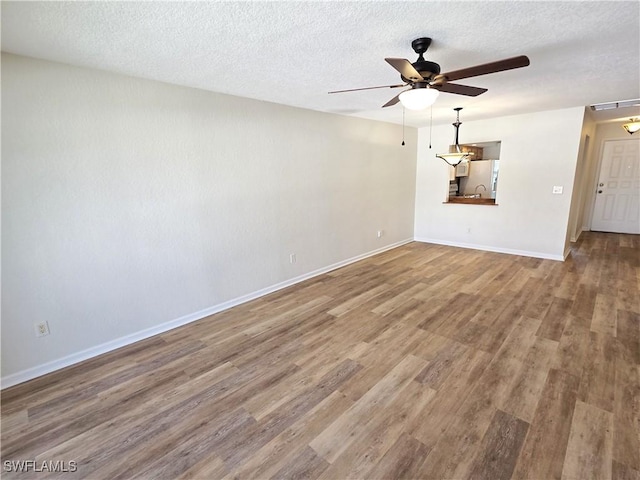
(293, 53)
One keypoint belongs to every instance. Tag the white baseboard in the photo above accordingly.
(486, 248)
(34, 372)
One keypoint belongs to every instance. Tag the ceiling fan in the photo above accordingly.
(426, 81)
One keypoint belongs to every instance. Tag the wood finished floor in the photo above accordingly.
(425, 361)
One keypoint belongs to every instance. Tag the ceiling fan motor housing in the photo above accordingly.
(425, 68)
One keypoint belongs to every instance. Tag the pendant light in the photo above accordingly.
(458, 156)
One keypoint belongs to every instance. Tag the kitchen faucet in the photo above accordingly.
(476, 189)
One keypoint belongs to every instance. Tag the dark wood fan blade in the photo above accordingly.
(393, 101)
(460, 89)
(405, 68)
(493, 67)
(369, 88)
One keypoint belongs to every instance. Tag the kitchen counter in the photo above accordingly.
(472, 201)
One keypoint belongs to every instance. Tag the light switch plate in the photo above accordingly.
(557, 190)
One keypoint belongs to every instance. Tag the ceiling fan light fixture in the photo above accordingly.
(418, 98)
(633, 126)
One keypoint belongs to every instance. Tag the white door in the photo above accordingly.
(617, 205)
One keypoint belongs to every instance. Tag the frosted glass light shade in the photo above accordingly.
(418, 98)
(454, 159)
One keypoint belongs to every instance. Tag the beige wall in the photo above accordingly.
(538, 151)
(131, 206)
(581, 180)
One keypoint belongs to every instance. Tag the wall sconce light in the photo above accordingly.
(633, 126)
(458, 156)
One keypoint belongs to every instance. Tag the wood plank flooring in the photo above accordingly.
(424, 361)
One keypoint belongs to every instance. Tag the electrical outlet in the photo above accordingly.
(42, 329)
(380, 233)
(292, 258)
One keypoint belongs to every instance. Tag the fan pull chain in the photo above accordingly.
(403, 126)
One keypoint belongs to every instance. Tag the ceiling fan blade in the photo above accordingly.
(493, 67)
(405, 68)
(368, 88)
(460, 89)
(393, 101)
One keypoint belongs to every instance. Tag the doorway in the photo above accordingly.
(617, 204)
